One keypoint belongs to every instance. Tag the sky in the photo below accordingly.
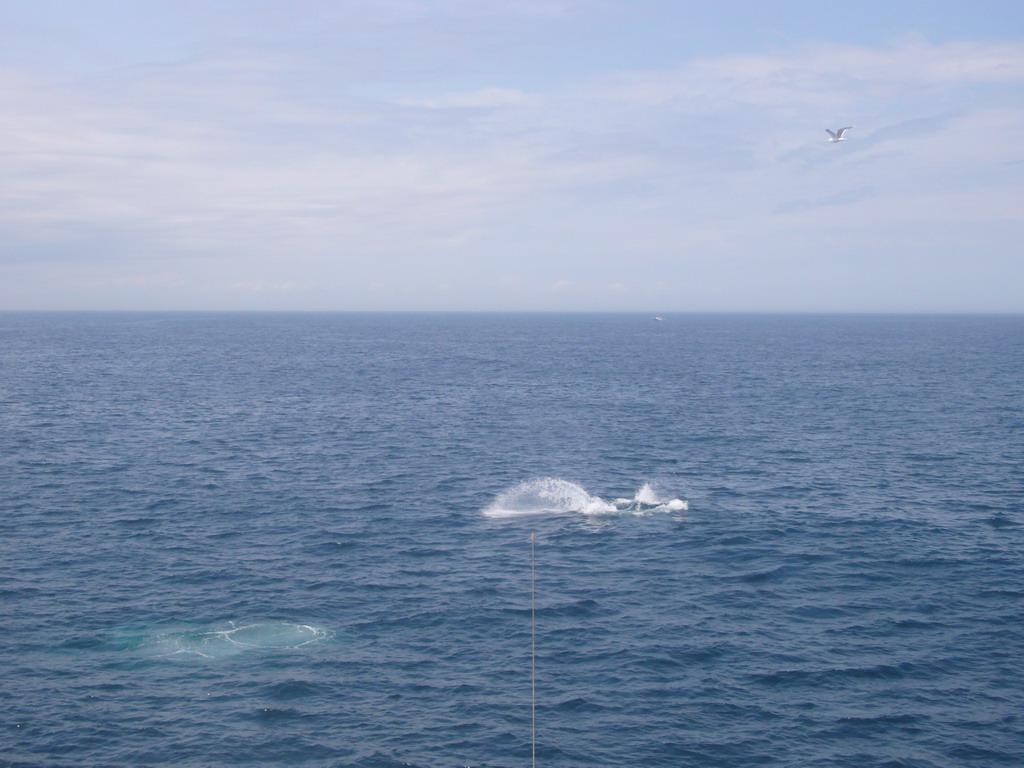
(512, 155)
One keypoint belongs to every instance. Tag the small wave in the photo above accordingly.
(229, 639)
(835, 675)
(579, 705)
(553, 496)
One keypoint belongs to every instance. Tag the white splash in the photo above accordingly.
(553, 496)
(646, 500)
(229, 639)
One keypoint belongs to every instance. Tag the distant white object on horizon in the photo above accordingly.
(660, 318)
(839, 135)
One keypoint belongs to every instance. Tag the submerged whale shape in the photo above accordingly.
(217, 641)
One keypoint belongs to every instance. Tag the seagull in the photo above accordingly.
(839, 135)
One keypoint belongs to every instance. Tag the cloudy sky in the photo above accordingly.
(649, 155)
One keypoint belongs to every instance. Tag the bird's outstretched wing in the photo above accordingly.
(842, 131)
(832, 133)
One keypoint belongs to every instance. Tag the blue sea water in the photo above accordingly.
(304, 540)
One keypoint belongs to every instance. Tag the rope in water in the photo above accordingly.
(533, 651)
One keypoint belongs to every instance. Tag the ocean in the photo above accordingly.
(305, 540)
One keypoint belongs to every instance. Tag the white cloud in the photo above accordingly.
(816, 72)
(484, 98)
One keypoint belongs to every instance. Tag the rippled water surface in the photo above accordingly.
(277, 540)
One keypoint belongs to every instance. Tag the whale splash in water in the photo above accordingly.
(552, 496)
(218, 641)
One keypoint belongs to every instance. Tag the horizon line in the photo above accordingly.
(776, 312)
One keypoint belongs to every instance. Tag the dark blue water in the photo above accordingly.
(261, 540)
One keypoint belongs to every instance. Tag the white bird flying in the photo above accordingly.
(839, 135)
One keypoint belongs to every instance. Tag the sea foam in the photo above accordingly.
(554, 496)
